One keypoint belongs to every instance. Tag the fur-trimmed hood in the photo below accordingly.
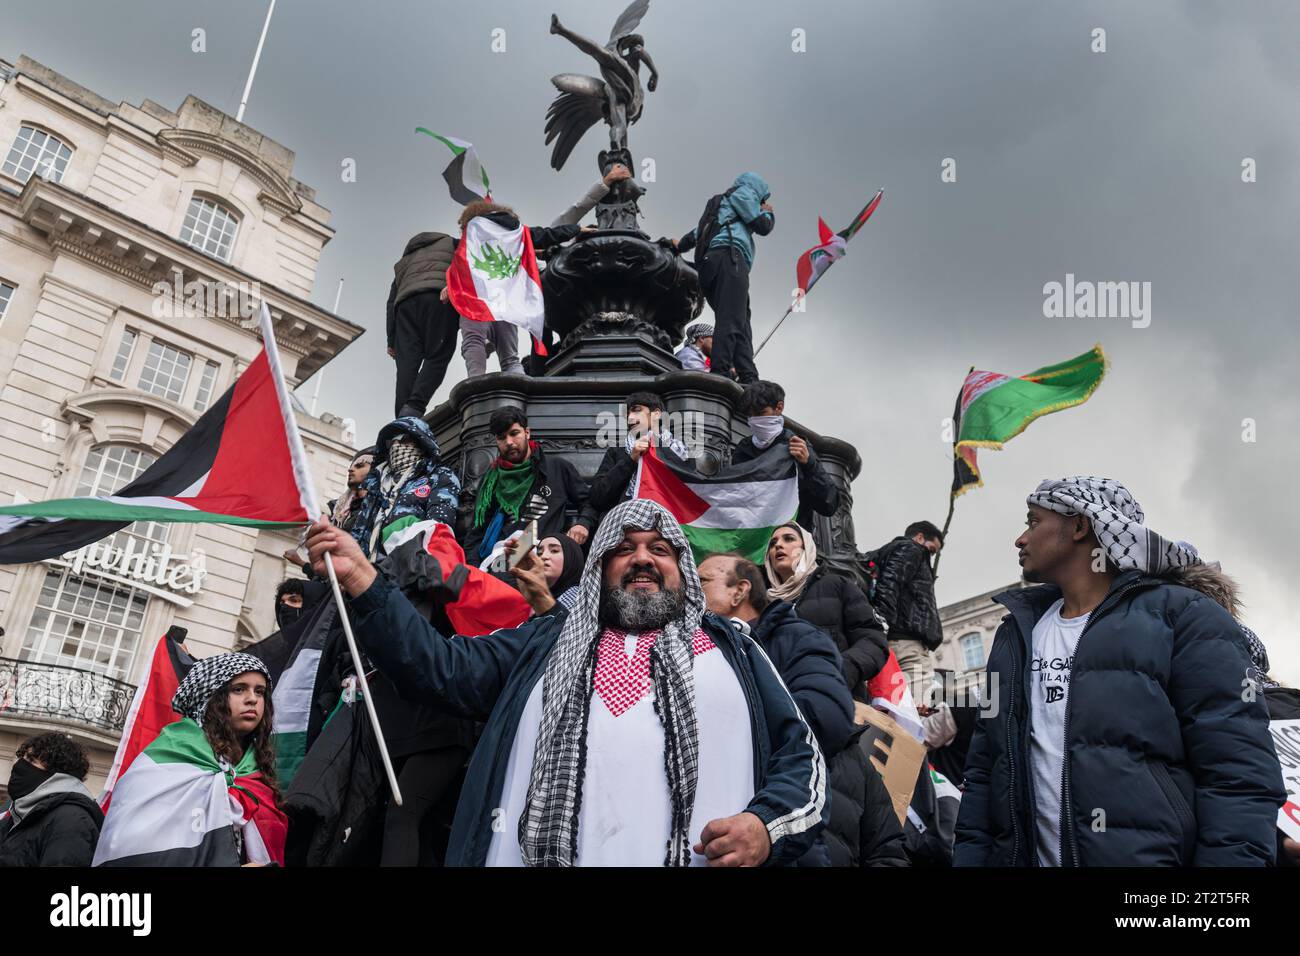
(1211, 581)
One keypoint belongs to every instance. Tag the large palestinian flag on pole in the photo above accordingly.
(993, 408)
(493, 277)
(242, 463)
(736, 509)
(465, 175)
(176, 806)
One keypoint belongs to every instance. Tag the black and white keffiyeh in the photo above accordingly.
(664, 439)
(1117, 521)
(548, 826)
(209, 675)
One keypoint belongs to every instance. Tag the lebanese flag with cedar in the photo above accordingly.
(241, 463)
(494, 277)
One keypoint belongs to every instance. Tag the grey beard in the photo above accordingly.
(638, 611)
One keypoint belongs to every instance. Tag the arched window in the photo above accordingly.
(210, 227)
(36, 151)
(86, 620)
(972, 650)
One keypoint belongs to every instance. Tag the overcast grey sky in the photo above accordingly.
(1123, 165)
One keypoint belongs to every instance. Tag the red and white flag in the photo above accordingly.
(889, 692)
(494, 277)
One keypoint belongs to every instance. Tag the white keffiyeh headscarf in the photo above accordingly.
(548, 826)
(1117, 521)
(208, 676)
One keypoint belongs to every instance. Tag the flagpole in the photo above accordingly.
(252, 72)
(773, 332)
(952, 495)
(307, 489)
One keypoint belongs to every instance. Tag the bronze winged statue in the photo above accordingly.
(617, 99)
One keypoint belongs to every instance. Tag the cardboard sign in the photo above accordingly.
(1286, 741)
(895, 753)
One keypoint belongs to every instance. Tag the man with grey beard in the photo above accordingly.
(635, 729)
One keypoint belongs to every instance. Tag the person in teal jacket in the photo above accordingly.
(728, 257)
(635, 729)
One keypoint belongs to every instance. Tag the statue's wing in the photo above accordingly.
(628, 20)
(573, 113)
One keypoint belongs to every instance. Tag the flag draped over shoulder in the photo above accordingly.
(293, 656)
(494, 278)
(735, 509)
(178, 806)
(151, 708)
(994, 408)
(476, 603)
(465, 175)
(241, 463)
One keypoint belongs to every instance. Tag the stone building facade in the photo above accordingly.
(968, 629)
(134, 241)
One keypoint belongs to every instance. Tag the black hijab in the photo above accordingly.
(573, 564)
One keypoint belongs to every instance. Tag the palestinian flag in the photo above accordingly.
(736, 509)
(830, 247)
(242, 463)
(476, 603)
(994, 408)
(293, 656)
(465, 175)
(151, 708)
(493, 278)
(175, 806)
(889, 692)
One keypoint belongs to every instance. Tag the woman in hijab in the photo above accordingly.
(204, 792)
(562, 561)
(827, 600)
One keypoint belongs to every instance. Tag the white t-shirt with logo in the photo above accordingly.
(1051, 659)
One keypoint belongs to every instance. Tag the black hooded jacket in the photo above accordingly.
(61, 830)
(837, 605)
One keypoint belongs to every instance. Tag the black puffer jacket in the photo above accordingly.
(837, 605)
(905, 593)
(817, 490)
(810, 667)
(59, 830)
(863, 829)
(1157, 735)
(1284, 704)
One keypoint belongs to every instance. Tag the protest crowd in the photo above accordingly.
(566, 673)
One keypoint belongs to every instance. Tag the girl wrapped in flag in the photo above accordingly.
(204, 792)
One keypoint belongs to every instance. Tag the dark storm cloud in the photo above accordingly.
(1123, 165)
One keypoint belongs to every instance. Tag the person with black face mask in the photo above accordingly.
(764, 405)
(51, 820)
(296, 597)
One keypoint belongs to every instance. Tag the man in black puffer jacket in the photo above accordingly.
(53, 820)
(863, 829)
(1121, 735)
(904, 595)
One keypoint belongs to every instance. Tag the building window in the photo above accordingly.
(166, 371)
(209, 228)
(972, 650)
(124, 350)
(6, 293)
(208, 380)
(86, 622)
(109, 469)
(35, 150)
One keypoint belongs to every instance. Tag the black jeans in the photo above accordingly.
(724, 279)
(424, 340)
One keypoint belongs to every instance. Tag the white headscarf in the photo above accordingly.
(790, 589)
